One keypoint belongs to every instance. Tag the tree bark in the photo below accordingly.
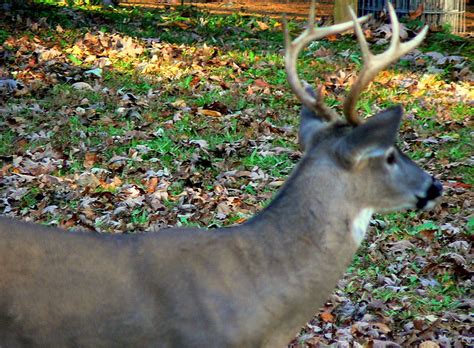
(341, 13)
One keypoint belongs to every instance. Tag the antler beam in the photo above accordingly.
(294, 47)
(375, 63)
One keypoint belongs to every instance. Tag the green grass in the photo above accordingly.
(7, 141)
(30, 199)
(276, 165)
(3, 36)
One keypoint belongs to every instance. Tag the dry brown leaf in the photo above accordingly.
(323, 52)
(243, 173)
(418, 12)
(261, 83)
(88, 212)
(428, 234)
(223, 209)
(4, 170)
(116, 182)
(382, 327)
(151, 185)
(327, 317)
(240, 221)
(90, 159)
(249, 90)
(69, 223)
(429, 344)
(179, 24)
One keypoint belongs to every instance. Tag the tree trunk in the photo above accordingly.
(341, 13)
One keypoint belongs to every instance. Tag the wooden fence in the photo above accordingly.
(434, 12)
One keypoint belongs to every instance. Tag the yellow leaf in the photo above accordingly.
(262, 25)
(211, 113)
(179, 103)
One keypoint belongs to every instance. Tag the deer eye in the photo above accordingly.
(391, 158)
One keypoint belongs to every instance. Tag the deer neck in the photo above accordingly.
(322, 208)
(312, 226)
(310, 236)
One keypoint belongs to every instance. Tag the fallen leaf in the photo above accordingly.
(90, 159)
(262, 25)
(431, 318)
(327, 317)
(261, 83)
(211, 113)
(116, 182)
(82, 86)
(418, 12)
(382, 327)
(97, 72)
(223, 209)
(428, 344)
(182, 25)
(203, 144)
(151, 185)
(240, 221)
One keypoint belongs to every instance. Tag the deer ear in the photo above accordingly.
(310, 123)
(372, 138)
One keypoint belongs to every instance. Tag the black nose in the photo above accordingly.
(434, 191)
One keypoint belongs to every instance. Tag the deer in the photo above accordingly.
(249, 285)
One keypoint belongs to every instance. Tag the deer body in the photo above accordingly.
(252, 285)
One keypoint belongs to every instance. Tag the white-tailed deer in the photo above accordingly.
(252, 285)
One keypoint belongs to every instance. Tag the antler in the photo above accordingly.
(291, 55)
(375, 63)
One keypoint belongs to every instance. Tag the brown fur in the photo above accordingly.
(252, 285)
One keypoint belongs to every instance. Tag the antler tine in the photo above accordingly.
(375, 63)
(294, 47)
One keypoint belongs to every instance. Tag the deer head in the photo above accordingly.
(366, 150)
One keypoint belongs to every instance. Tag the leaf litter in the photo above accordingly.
(116, 132)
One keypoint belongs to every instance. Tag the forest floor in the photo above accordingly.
(118, 120)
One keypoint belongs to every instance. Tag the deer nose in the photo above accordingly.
(434, 191)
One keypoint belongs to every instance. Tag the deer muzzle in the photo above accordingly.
(434, 191)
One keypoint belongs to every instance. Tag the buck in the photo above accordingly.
(251, 285)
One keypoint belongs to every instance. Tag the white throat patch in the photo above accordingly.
(360, 225)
